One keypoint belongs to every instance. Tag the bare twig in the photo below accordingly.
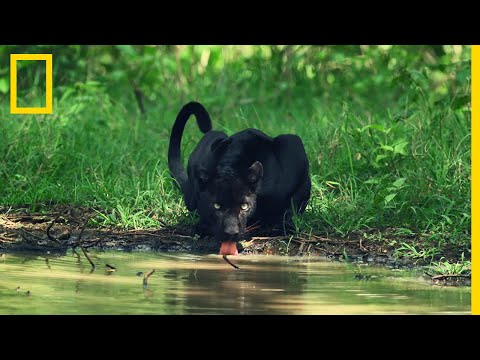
(308, 248)
(146, 276)
(303, 241)
(78, 242)
(316, 237)
(338, 248)
(361, 246)
(83, 229)
(300, 249)
(95, 242)
(443, 277)
(228, 261)
(141, 233)
(88, 257)
(3, 238)
(266, 238)
(51, 237)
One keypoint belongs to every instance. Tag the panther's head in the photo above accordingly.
(227, 201)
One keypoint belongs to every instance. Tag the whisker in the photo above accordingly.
(253, 226)
(250, 230)
(255, 223)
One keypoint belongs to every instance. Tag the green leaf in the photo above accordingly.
(380, 157)
(4, 85)
(399, 148)
(387, 147)
(332, 184)
(378, 127)
(399, 182)
(374, 127)
(448, 219)
(389, 198)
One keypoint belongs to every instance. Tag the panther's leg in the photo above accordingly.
(299, 202)
(302, 195)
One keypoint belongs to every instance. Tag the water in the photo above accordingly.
(194, 284)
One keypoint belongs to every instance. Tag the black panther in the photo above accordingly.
(239, 180)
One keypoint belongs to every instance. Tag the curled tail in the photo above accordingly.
(174, 152)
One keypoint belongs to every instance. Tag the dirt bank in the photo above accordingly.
(61, 229)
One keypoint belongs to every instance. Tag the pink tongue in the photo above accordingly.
(228, 248)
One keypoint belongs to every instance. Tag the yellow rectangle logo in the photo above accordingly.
(13, 84)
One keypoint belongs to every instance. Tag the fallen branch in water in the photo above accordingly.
(50, 236)
(80, 244)
(146, 276)
(228, 261)
(88, 257)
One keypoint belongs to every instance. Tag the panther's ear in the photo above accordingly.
(219, 145)
(255, 172)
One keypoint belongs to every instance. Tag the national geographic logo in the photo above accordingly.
(13, 84)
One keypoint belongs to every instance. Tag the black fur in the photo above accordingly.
(252, 177)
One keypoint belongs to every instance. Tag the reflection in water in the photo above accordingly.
(192, 284)
(236, 292)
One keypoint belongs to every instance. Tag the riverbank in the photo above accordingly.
(55, 232)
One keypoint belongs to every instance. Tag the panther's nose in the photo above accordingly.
(231, 226)
(232, 230)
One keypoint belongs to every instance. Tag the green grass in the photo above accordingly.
(376, 160)
(462, 267)
(411, 251)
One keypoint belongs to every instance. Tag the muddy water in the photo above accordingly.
(193, 284)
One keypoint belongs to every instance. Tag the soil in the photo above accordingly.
(24, 231)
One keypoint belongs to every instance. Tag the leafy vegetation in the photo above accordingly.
(386, 129)
(443, 267)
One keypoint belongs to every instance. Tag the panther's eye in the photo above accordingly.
(244, 207)
(216, 206)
